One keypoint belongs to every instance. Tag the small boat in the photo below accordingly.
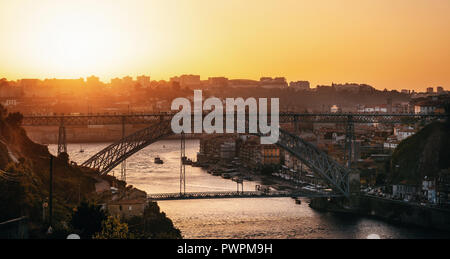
(158, 160)
(226, 176)
(81, 149)
(186, 161)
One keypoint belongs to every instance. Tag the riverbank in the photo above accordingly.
(398, 212)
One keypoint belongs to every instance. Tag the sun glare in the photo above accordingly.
(73, 45)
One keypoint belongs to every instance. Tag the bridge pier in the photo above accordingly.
(123, 167)
(349, 139)
(62, 143)
(182, 165)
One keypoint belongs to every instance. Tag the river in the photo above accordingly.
(237, 218)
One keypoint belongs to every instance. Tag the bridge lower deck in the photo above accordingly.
(228, 195)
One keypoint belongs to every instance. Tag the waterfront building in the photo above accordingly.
(405, 192)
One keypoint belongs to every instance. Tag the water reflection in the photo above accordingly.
(237, 218)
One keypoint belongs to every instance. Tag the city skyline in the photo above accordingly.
(401, 45)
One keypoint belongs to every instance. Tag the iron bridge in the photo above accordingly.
(159, 127)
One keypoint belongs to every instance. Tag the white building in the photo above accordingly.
(404, 132)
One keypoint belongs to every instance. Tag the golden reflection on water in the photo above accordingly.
(235, 218)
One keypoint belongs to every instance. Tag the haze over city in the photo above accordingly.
(386, 44)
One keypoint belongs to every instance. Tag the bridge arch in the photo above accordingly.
(315, 159)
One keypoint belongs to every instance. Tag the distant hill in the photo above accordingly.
(423, 154)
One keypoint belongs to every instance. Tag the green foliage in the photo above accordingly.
(112, 228)
(154, 224)
(423, 154)
(88, 218)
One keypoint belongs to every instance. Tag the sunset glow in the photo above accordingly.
(388, 44)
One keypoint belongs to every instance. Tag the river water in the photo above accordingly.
(237, 218)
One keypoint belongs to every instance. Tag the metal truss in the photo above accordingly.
(113, 119)
(319, 162)
(114, 154)
(228, 195)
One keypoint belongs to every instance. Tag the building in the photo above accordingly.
(217, 82)
(373, 109)
(425, 107)
(334, 109)
(127, 208)
(144, 81)
(254, 155)
(440, 90)
(272, 83)
(300, 85)
(403, 132)
(228, 150)
(405, 192)
(243, 83)
(429, 190)
(430, 90)
(187, 80)
(270, 155)
(443, 188)
(391, 143)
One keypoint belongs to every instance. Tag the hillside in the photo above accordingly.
(423, 154)
(24, 185)
(27, 165)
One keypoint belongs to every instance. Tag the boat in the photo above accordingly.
(226, 176)
(158, 160)
(186, 161)
(81, 149)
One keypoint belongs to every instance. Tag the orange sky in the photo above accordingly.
(390, 44)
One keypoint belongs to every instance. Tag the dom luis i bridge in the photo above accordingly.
(336, 176)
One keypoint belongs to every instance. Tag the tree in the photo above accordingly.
(112, 228)
(88, 219)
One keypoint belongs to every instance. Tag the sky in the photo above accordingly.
(393, 44)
